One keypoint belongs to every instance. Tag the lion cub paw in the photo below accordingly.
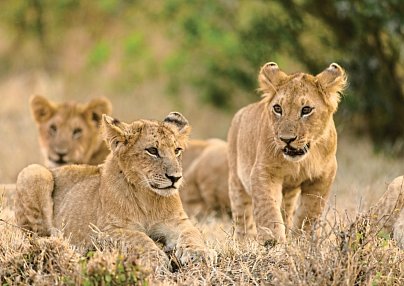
(187, 255)
(270, 238)
(157, 260)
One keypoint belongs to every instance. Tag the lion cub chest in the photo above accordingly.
(297, 173)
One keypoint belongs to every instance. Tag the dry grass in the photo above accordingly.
(350, 250)
(351, 253)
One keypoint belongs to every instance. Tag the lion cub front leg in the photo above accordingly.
(34, 203)
(289, 201)
(313, 198)
(242, 209)
(267, 201)
(140, 242)
(189, 244)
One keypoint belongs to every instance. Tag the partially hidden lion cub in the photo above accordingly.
(133, 197)
(388, 212)
(69, 132)
(206, 178)
(283, 146)
(194, 149)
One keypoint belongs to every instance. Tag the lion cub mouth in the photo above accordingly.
(58, 162)
(164, 191)
(163, 188)
(294, 152)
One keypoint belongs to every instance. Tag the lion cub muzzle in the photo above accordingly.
(291, 152)
(295, 154)
(166, 182)
(174, 179)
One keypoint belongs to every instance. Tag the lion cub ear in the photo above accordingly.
(179, 122)
(96, 108)
(114, 132)
(41, 108)
(269, 77)
(333, 81)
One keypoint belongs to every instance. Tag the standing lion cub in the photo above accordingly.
(281, 147)
(133, 197)
(69, 132)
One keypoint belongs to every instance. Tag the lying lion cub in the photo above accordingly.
(69, 131)
(206, 177)
(281, 147)
(133, 197)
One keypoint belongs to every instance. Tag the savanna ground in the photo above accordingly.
(349, 252)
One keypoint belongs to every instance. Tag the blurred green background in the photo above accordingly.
(201, 58)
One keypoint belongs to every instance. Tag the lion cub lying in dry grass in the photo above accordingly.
(133, 197)
(206, 178)
(69, 131)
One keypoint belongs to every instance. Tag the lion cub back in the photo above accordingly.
(76, 185)
(48, 198)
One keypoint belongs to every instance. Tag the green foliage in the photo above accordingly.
(209, 55)
(104, 269)
(229, 42)
(99, 54)
(108, 5)
(134, 44)
(370, 35)
(226, 43)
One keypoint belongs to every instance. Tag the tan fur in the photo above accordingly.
(206, 187)
(69, 132)
(193, 151)
(133, 197)
(265, 177)
(389, 210)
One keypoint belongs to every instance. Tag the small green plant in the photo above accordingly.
(99, 268)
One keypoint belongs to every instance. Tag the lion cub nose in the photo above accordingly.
(61, 154)
(288, 140)
(173, 179)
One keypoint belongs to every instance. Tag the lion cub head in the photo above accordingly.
(301, 106)
(68, 132)
(147, 152)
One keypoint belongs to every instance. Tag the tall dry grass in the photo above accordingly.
(349, 251)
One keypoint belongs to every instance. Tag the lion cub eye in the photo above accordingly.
(178, 152)
(77, 132)
(306, 110)
(152, 151)
(53, 129)
(277, 109)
